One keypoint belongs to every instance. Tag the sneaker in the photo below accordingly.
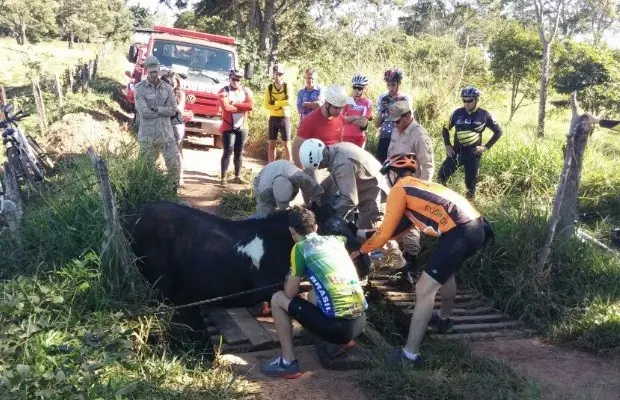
(335, 350)
(239, 180)
(443, 325)
(276, 369)
(223, 181)
(397, 357)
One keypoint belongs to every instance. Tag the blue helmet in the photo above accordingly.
(470, 91)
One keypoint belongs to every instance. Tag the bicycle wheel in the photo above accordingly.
(42, 156)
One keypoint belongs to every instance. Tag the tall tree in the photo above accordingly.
(29, 19)
(548, 15)
(515, 56)
(142, 16)
(88, 19)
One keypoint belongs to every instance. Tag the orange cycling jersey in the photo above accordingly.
(432, 208)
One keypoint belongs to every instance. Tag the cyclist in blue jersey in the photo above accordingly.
(393, 78)
(468, 122)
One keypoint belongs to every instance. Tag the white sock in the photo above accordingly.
(411, 356)
(285, 362)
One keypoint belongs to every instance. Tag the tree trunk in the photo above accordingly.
(544, 82)
(22, 34)
(71, 40)
(575, 148)
(252, 16)
(239, 19)
(265, 27)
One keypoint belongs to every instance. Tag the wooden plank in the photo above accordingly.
(249, 326)
(459, 298)
(462, 311)
(437, 304)
(463, 319)
(226, 326)
(485, 335)
(486, 327)
(270, 328)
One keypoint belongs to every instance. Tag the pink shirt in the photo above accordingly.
(362, 107)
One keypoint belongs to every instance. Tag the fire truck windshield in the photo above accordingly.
(193, 56)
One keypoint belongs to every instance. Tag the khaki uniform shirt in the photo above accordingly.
(356, 174)
(266, 183)
(155, 104)
(414, 139)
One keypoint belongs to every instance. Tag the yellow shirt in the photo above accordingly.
(281, 99)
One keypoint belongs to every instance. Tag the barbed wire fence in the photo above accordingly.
(40, 221)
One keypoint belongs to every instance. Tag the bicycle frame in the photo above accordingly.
(13, 137)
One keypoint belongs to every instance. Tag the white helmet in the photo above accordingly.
(359, 80)
(311, 153)
(336, 95)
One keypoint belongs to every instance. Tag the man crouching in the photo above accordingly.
(335, 307)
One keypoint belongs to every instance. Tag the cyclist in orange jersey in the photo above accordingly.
(436, 211)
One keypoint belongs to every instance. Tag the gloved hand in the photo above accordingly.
(353, 227)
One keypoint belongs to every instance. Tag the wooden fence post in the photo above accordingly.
(61, 100)
(115, 249)
(95, 67)
(562, 221)
(13, 210)
(70, 80)
(3, 99)
(38, 100)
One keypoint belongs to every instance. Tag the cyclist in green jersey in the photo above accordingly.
(335, 309)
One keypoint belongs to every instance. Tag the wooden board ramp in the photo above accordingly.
(473, 315)
(235, 330)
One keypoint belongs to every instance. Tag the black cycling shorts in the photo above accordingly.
(332, 330)
(454, 247)
(279, 124)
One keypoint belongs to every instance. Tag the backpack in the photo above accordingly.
(270, 89)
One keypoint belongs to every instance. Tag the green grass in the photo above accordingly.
(63, 333)
(55, 55)
(450, 371)
(62, 337)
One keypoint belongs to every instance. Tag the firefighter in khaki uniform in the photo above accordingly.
(410, 137)
(155, 104)
(277, 185)
(355, 182)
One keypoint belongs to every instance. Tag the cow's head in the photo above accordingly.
(331, 224)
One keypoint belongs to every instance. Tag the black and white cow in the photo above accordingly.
(191, 255)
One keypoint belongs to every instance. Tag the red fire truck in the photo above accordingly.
(204, 59)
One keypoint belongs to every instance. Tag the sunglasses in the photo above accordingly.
(358, 88)
(468, 101)
(235, 79)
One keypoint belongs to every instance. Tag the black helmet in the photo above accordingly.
(470, 91)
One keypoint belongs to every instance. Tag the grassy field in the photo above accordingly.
(55, 57)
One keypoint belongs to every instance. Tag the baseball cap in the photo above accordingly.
(236, 73)
(152, 64)
(278, 68)
(398, 109)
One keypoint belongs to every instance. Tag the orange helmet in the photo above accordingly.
(400, 162)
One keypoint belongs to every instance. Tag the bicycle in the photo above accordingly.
(23, 153)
